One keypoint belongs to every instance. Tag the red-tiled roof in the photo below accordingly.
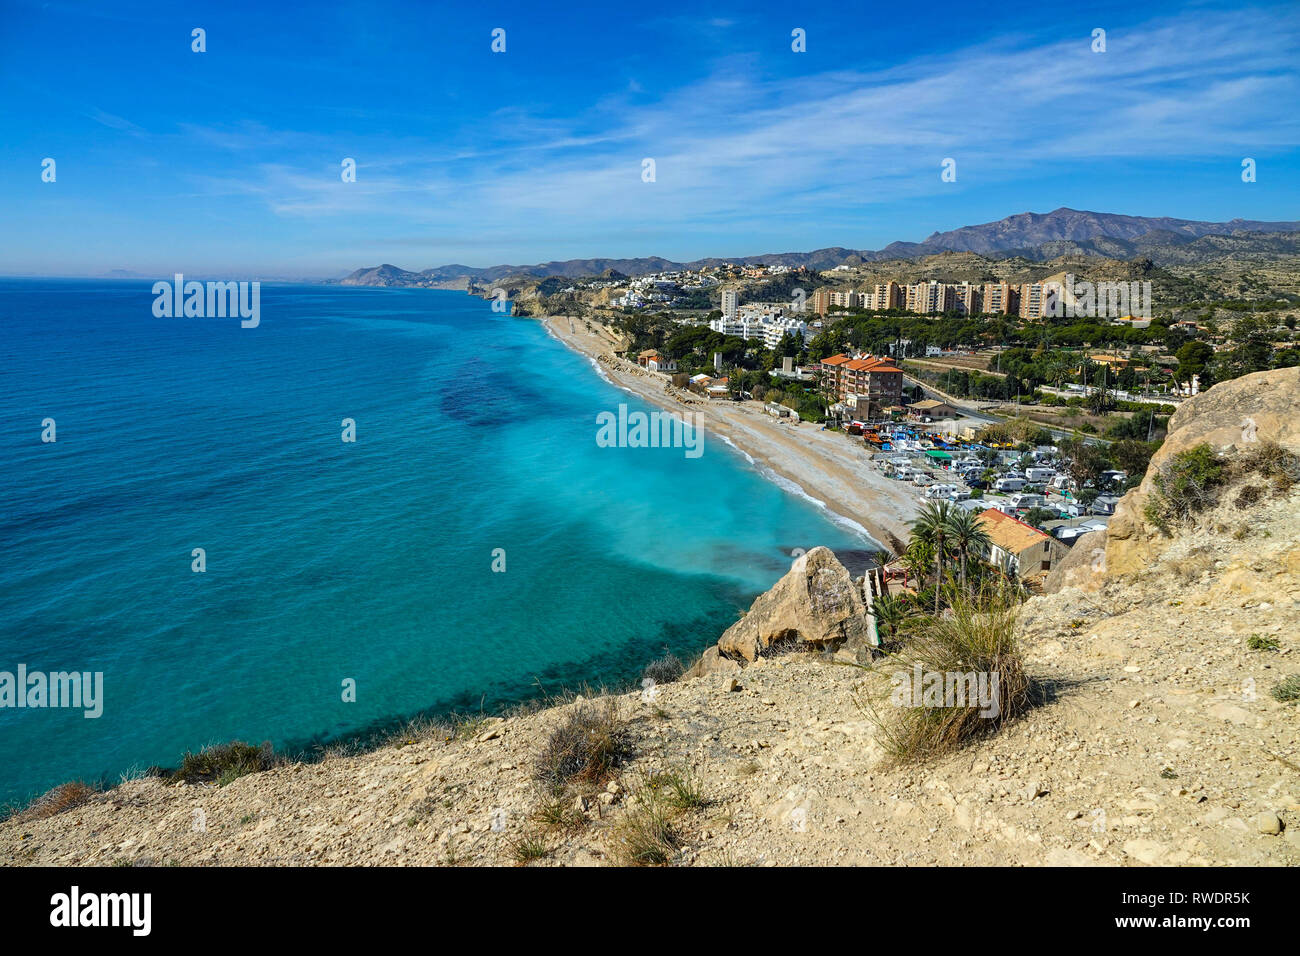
(1010, 534)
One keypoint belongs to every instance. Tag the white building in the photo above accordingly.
(729, 302)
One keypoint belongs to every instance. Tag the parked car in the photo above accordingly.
(979, 483)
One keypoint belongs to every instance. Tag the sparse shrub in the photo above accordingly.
(1190, 569)
(665, 670)
(645, 836)
(586, 747)
(1186, 484)
(1260, 642)
(1271, 462)
(1287, 690)
(525, 849)
(557, 812)
(680, 790)
(978, 636)
(63, 797)
(1191, 480)
(224, 763)
(468, 726)
(1249, 496)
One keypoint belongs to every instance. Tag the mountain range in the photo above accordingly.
(1036, 236)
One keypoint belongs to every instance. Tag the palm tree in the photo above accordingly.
(931, 528)
(968, 537)
(890, 612)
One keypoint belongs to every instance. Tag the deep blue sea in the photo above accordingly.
(327, 560)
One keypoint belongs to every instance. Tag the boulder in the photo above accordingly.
(1264, 406)
(816, 604)
(711, 662)
(1082, 567)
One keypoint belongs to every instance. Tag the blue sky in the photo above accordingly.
(228, 162)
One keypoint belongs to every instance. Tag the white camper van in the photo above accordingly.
(1024, 502)
(1040, 474)
(1009, 484)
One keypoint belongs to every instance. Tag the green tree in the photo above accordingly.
(931, 529)
(967, 536)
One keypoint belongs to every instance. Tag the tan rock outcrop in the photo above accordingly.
(1231, 415)
(817, 603)
(1083, 567)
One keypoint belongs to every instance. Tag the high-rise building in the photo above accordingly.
(997, 298)
(729, 302)
(887, 295)
(822, 301)
(968, 299)
(1031, 300)
(926, 298)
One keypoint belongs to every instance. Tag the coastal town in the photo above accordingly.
(1033, 405)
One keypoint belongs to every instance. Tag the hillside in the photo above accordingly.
(1160, 742)
(1032, 236)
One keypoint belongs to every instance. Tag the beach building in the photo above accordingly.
(655, 361)
(931, 408)
(1017, 549)
(849, 379)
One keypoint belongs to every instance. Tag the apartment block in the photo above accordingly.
(1031, 300)
(849, 379)
(887, 295)
(729, 303)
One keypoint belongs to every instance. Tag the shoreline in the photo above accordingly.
(826, 468)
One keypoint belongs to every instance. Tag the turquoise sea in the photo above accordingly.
(325, 560)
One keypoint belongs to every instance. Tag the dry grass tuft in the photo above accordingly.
(586, 748)
(63, 797)
(978, 636)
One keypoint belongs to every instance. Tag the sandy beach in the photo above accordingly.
(829, 467)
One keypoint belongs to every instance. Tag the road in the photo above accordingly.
(979, 416)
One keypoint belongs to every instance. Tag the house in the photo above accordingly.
(1018, 549)
(930, 408)
(655, 361)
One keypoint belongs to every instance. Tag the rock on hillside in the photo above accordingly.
(1260, 407)
(816, 605)
(1080, 565)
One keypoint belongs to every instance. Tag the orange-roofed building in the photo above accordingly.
(1018, 549)
(867, 377)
